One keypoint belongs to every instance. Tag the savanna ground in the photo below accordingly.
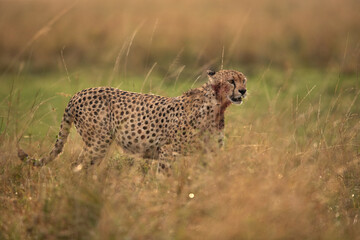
(290, 168)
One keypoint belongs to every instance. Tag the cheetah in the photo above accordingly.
(153, 126)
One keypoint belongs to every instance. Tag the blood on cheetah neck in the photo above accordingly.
(211, 99)
(224, 103)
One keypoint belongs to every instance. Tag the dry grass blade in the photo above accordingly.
(116, 64)
(147, 76)
(64, 64)
(129, 47)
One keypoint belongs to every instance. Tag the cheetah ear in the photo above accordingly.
(210, 72)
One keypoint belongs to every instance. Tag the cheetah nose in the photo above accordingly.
(242, 91)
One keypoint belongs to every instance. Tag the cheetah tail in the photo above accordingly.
(65, 126)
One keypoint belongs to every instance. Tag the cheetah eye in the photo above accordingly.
(232, 81)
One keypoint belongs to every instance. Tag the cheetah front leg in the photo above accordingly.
(221, 139)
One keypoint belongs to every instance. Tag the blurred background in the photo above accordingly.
(36, 34)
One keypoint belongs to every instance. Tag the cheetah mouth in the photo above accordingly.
(237, 100)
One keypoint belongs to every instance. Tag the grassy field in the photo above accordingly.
(290, 167)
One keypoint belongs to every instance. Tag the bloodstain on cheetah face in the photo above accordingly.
(229, 86)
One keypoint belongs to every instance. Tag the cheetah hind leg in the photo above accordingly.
(166, 156)
(88, 157)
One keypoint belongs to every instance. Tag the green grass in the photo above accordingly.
(290, 167)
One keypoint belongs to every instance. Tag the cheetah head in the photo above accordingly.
(229, 85)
